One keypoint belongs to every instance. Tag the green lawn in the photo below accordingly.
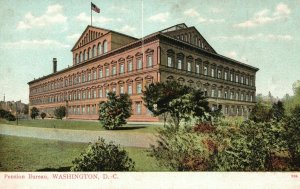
(30, 154)
(81, 125)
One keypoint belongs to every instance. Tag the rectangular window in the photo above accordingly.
(129, 66)
(100, 73)
(138, 107)
(225, 94)
(251, 98)
(237, 96)
(89, 94)
(219, 74)
(205, 70)
(89, 76)
(225, 75)
(247, 81)
(94, 94)
(139, 64)
(129, 91)
(242, 80)
(106, 92)
(94, 75)
(179, 64)
(83, 78)
(114, 70)
(78, 95)
(139, 88)
(83, 95)
(107, 71)
(79, 79)
(149, 61)
(114, 89)
(212, 72)
(170, 64)
(189, 66)
(83, 109)
(197, 68)
(242, 97)
(88, 109)
(231, 95)
(121, 68)
(231, 76)
(251, 82)
(219, 93)
(121, 89)
(213, 93)
(100, 93)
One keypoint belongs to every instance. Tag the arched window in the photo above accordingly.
(76, 59)
(99, 49)
(94, 51)
(90, 53)
(80, 57)
(105, 46)
(84, 55)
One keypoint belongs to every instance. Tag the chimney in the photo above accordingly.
(54, 65)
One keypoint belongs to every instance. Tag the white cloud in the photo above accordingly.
(191, 13)
(260, 36)
(160, 17)
(119, 9)
(128, 29)
(83, 17)
(53, 15)
(195, 14)
(234, 55)
(265, 16)
(74, 36)
(25, 44)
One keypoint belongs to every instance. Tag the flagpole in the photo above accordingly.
(91, 15)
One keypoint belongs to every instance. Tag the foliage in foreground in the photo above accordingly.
(60, 112)
(114, 112)
(43, 115)
(102, 156)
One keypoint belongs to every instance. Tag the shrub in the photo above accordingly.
(101, 156)
(43, 115)
(183, 150)
(60, 112)
(114, 112)
(10, 117)
(34, 112)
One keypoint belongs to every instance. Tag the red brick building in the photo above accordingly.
(105, 60)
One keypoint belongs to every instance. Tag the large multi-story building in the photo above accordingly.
(105, 60)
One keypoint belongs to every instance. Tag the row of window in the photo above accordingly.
(91, 35)
(93, 109)
(238, 96)
(97, 73)
(91, 52)
(212, 70)
(90, 93)
(191, 38)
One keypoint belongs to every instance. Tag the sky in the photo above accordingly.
(264, 34)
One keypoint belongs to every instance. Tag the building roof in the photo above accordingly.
(162, 33)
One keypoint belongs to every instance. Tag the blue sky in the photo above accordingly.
(264, 34)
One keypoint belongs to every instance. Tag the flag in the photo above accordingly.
(95, 8)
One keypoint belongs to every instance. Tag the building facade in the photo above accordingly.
(105, 60)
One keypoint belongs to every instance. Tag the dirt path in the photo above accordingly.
(124, 139)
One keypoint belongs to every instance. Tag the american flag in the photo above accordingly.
(95, 8)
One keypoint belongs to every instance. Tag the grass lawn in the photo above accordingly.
(81, 125)
(30, 154)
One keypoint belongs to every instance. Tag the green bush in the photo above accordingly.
(114, 112)
(60, 112)
(10, 117)
(34, 112)
(43, 115)
(101, 156)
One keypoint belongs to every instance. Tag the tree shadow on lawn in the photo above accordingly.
(130, 128)
(60, 169)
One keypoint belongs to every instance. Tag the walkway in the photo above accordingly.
(124, 139)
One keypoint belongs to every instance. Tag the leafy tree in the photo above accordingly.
(101, 156)
(60, 112)
(292, 137)
(34, 112)
(260, 113)
(7, 115)
(114, 112)
(277, 111)
(43, 115)
(179, 101)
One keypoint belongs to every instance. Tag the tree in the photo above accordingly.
(34, 112)
(43, 115)
(101, 156)
(260, 113)
(179, 101)
(60, 112)
(277, 111)
(114, 112)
